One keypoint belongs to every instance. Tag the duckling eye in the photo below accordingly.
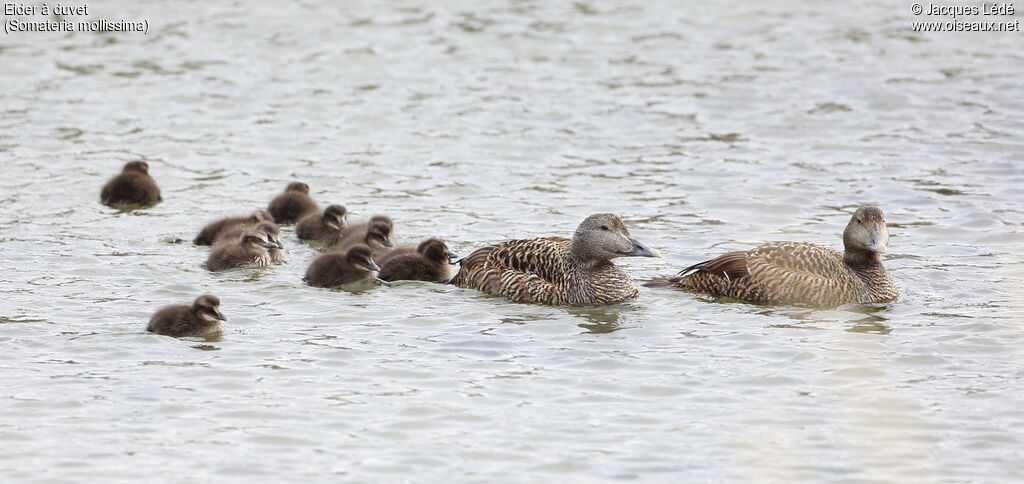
(604, 227)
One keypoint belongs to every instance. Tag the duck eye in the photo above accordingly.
(604, 227)
(860, 221)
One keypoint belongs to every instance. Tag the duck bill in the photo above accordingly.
(220, 316)
(641, 250)
(878, 243)
(269, 245)
(388, 243)
(373, 266)
(453, 258)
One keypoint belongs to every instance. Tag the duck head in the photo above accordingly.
(603, 237)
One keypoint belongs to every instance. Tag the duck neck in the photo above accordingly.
(579, 256)
(860, 260)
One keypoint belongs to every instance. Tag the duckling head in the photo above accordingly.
(603, 237)
(254, 238)
(866, 231)
(137, 166)
(361, 256)
(297, 187)
(380, 232)
(207, 307)
(260, 216)
(272, 231)
(436, 250)
(384, 219)
(335, 217)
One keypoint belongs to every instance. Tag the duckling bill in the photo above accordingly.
(798, 273)
(292, 204)
(134, 186)
(201, 318)
(557, 270)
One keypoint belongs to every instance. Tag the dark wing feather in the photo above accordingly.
(731, 265)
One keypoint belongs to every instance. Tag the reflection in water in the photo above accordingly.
(599, 319)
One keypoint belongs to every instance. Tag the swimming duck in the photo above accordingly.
(201, 318)
(250, 250)
(325, 227)
(211, 231)
(292, 204)
(132, 186)
(270, 228)
(336, 268)
(430, 261)
(556, 270)
(375, 234)
(799, 273)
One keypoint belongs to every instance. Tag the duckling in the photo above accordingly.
(430, 261)
(270, 228)
(250, 250)
(210, 232)
(336, 268)
(556, 270)
(325, 227)
(292, 204)
(376, 234)
(132, 186)
(799, 273)
(201, 318)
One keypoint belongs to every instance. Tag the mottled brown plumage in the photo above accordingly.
(337, 269)
(209, 234)
(799, 273)
(325, 227)
(201, 318)
(292, 204)
(248, 251)
(270, 228)
(133, 186)
(556, 270)
(430, 261)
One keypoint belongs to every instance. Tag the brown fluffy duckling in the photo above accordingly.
(556, 270)
(201, 318)
(211, 231)
(325, 227)
(430, 261)
(375, 234)
(337, 268)
(133, 186)
(250, 250)
(292, 204)
(800, 273)
(270, 228)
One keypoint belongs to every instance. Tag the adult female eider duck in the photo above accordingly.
(270, 228)
(292, 204)
(556, 270)
(337, 269)
(132, 186)
(201, 318)
(430, 261)
(248, 251)
(799, 273)
(325, 227)
(211, 232)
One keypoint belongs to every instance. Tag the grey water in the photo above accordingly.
(707, 126)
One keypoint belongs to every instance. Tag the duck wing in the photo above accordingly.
(514, 267)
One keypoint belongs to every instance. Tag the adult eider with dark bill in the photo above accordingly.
(556, 270)
(430, 261)
(201, 318)
(133, 186)
(799, 273)
(211, 232)
(292, 204)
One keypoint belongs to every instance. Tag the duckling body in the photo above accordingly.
(557, 270)
(340, 268)
(797, 273)
(201, 318)
(375, 234)
(430, 261)
(211, 232)
(271, 229)
(132, 186)
(325, 227)
(292, 204)
(248, 251)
